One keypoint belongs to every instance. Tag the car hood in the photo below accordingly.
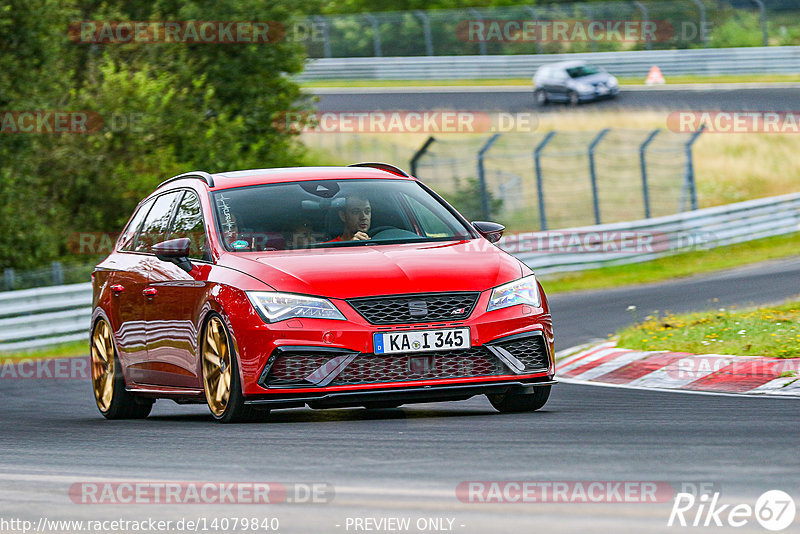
(360, 271)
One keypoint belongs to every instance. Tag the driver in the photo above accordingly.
(356, 217)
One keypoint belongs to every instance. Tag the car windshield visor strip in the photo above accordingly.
(316, 368)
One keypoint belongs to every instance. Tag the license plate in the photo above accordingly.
(421, 340)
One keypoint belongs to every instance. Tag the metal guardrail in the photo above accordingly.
(647, 239)
(701, 61)
(34, 318)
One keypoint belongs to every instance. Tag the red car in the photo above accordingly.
(319, 286)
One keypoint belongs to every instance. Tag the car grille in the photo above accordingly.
(291, 369)
(294, 367)
(403, 309)
(369, 368)
(530, 350)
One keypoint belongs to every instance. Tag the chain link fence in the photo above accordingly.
(541, 180)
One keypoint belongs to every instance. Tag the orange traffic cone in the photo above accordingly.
(654, 76)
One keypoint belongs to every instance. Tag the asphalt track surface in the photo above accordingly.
(517, 100)
(407, 462)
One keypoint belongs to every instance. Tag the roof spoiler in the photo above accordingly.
(384, 167)
(200, 175)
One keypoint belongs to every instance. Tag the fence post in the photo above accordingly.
(762, 15)
(702, 32)
(326, 36)
(418, 154)
(690, 182)
(482, 176)
(426, 30)
(593, 175)
(643, 167)
(539, 181)
(645, 18)
(590, 15)
(376, 34)
(482, 43)
(535, 18)
(9, 278)
(58, 273)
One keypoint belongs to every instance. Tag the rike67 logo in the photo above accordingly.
(774, 510)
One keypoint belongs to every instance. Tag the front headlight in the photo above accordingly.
(613, 82)
(522, 291)
(275, 307)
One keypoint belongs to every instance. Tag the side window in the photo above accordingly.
(189, 223)
(125, 241)
(155, 224)
(432, 225)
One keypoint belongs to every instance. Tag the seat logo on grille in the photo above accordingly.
(418, 308)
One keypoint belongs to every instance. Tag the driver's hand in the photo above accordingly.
(361, 236)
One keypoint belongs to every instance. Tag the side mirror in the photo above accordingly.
(491, 231)
(174, 251)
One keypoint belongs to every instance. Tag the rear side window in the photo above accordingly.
(126, 239)
(155, 224)
(189, 223)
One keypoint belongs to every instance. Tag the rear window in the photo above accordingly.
(332, 213)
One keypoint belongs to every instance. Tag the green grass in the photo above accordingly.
(65, 350)
(769, 331)
(677, 266)
(731, 78)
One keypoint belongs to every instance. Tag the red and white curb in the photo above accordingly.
(605, 363)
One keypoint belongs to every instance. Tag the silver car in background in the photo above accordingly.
(573, 82)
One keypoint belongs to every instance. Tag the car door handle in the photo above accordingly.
(150, 292)
(117, 289)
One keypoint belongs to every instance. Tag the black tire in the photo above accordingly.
(574, 99)
(236, 410)
(520, 402)
(540, 97)
(123, 405)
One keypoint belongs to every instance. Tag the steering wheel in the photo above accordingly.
(375, 231)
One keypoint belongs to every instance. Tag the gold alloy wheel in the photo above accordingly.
(103, 367)
(216, 366)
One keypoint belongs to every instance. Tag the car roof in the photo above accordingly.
(244, 178)
(566, 64)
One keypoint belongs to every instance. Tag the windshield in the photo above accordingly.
(332, 213)
(582, 70)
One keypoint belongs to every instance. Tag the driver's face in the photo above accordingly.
(357, 215)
